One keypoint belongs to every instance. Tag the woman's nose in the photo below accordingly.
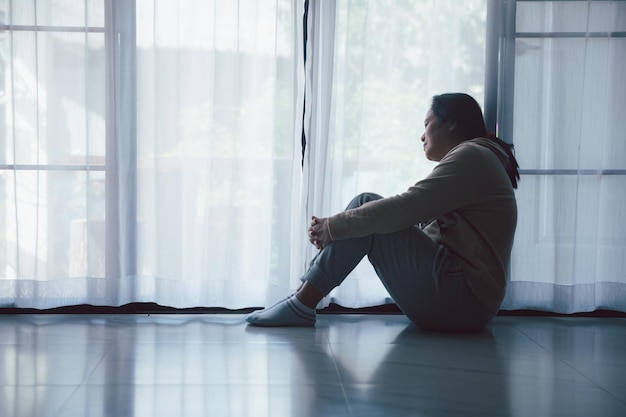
(423, 138)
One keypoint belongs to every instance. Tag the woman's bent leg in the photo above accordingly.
(424, 279)
(426, 282)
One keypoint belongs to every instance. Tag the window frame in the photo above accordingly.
(500, 73)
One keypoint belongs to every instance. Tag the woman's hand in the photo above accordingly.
(319, 234)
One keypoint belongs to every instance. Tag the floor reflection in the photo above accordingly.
(410, 373)
(361, 365)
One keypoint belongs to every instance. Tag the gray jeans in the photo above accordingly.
(425, 280)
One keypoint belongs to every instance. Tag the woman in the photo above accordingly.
(450, 272)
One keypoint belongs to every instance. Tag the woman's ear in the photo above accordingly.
(451, 125)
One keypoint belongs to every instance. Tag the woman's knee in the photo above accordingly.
(363, 198)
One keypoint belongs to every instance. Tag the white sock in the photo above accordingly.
(289, 312)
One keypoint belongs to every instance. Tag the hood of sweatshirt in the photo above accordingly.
(495, 148)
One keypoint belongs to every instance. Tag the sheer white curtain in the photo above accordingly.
(570, 131)
(218, 159)
(150, 151)
(372, 69)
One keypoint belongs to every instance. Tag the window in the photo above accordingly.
(52, 138)
(142, 142)
(563, 106)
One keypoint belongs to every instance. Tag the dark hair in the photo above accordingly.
(463, 110)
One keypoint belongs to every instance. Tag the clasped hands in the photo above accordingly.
(318, 232)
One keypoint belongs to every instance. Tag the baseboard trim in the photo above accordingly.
(153, 308)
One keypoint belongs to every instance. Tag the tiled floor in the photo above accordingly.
(348, 365)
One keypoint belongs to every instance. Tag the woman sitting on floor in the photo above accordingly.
(442, 248)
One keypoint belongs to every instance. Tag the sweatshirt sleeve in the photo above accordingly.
(457, 181)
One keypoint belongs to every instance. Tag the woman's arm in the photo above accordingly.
(465, 176)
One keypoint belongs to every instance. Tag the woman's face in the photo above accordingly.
(437, 138)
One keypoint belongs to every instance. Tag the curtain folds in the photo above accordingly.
(217, 172)
(152, 151)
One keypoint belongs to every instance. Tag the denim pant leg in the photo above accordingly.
(398, 258)
(423, 278)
